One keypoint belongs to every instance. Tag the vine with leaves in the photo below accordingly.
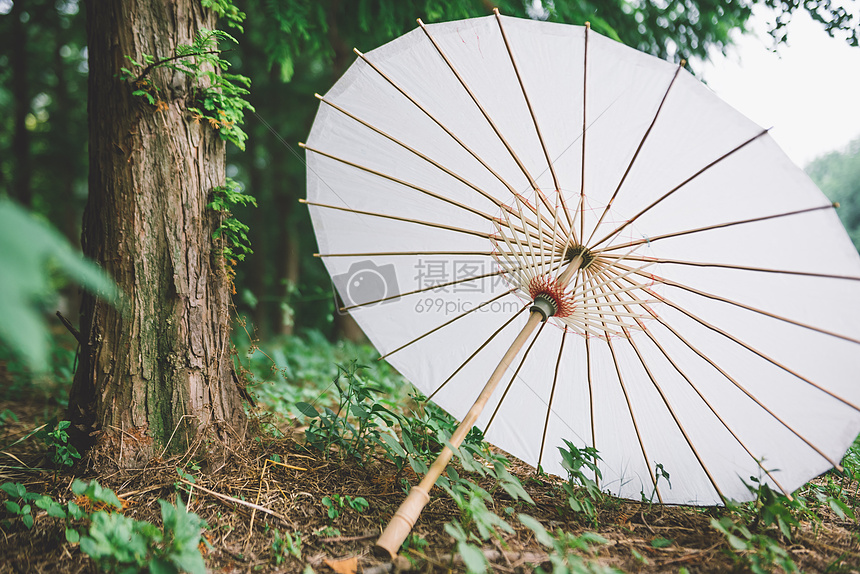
(218, 98)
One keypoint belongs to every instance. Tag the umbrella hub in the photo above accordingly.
(571, 252)
(551, 299)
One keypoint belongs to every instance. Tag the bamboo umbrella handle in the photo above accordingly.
(404, 519)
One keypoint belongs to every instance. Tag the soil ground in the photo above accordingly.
(290, 496)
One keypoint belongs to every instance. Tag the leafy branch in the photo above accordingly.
(231, 234)
(218, 97)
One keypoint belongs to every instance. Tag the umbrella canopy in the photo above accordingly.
(698, 297)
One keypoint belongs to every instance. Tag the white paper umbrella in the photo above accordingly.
(631, 263)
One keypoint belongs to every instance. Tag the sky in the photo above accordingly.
(808, 92)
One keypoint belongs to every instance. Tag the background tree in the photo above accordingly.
(837, 174)
(159, 365)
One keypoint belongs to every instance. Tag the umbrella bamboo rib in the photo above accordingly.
(528, 102)
(424, 289)
(423, 156)
(712, 227)
(591, 400)
(481, 214)
(731, 266)
(636, 153)
(672, 412)
(437, 122)
(514, 377)
(483, 111)
(581, 208)
(758, 460)
(740, 305)
(757, 352)
(732, 380)
(481, 234)
(674, 416)
(551, 396)
(480, 107)
(478, 350)
(633, 419)
(426, 158)
(408, 253)
(627, 399)
(446, 323)
(677, 187)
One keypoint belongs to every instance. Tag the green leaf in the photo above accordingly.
(14, 489)
(535, 526)
(840, 508)
(72, 535)
(27, 245)
(393, 444)
(13, 507)
(307, 409)
(736, 542)
(660, 542)
(75, 511)
(28, 520)
(456, 531)
(473, 558)
(56, 511)
(160, 566)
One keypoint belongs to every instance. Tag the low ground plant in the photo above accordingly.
(583, 493)
(355, 428)
(286, 545)
(115, 542)
(566, 550)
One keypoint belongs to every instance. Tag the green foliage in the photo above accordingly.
(335, 503)
(227, 10)
(120, 544)
(96, 493)
(748, 526)
(837, 174)
(479, 460)
(115, 542)
(296, 369)
(55, 437)
(231, 234)
(758, 552)
(660, 473)
(52, 384)
(472, 555)
(359, 422)
(289, 545)
(565, 549)
(218, 98)
(30, 250)
(582, 491)
(19, 502)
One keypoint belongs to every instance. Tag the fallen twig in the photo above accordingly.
(237, 501)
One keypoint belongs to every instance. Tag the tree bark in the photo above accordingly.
(156, 370)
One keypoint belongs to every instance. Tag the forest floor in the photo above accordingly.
(253, 505)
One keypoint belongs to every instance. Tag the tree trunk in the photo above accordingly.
(289, 268)
(21, 94)
(257, 261)
(156, 370)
